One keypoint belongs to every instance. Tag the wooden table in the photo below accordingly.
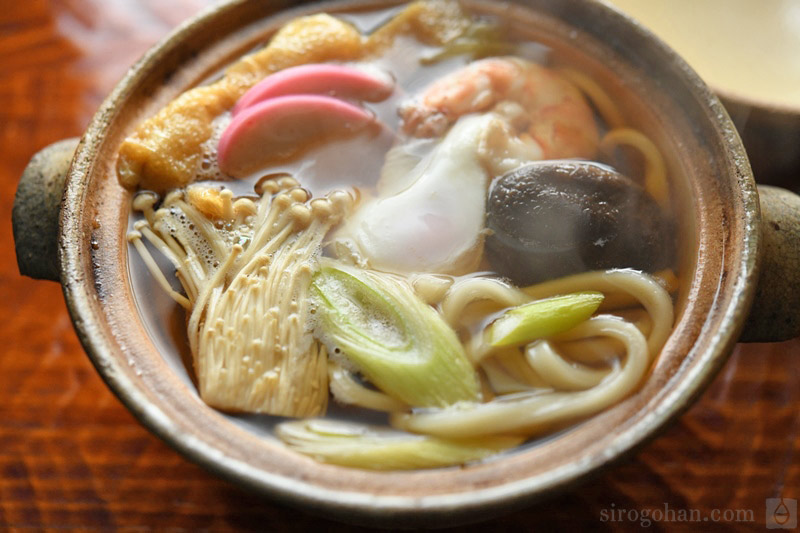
(71, 457)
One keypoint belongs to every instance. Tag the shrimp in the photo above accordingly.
(546, 110)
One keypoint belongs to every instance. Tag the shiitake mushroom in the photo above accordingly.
(554, 218)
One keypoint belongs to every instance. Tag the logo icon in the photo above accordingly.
(781, 513)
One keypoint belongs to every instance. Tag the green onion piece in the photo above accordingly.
(542, 318)
(399, 343)
(479, 41)
(359, 446)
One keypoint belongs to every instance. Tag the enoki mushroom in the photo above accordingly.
(245, 267)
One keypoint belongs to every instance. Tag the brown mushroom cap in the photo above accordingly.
(553, 218)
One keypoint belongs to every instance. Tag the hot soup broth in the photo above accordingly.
(403, 239)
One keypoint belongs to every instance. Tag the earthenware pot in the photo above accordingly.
(724, 241)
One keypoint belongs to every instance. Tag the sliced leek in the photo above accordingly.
(359, 446)
(543, 318)
(399, 343)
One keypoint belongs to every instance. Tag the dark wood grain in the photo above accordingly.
(71, 457)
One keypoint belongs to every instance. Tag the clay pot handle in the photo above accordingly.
(36, 210)
(775, 315)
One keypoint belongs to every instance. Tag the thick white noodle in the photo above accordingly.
(644, 288)
(500, 380)
(348, 391)
(560, 373)
(431, 288)
(539, 411)
(466, 291)
(510, 369)
(592, 351)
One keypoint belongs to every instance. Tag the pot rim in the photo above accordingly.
(79, 294)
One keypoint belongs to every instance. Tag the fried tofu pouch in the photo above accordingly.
(166, 152)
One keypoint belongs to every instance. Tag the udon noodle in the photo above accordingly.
(377, 262)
